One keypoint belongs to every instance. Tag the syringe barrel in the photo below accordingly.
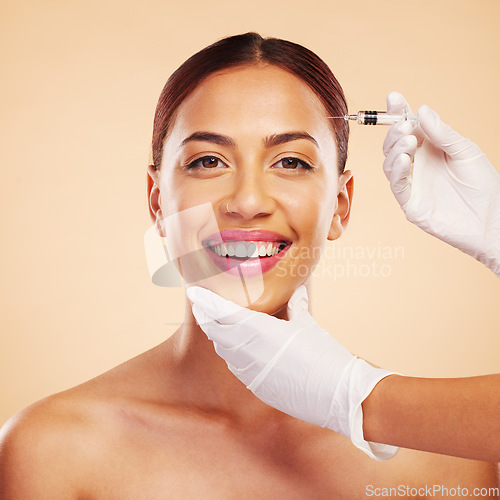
(382, 117)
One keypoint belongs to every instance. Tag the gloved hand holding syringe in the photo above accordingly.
(445, 185)
(443, 182)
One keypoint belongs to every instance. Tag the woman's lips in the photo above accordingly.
(250, 252)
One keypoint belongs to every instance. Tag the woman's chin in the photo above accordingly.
(261, 297)
(269, 303)
(277, 310)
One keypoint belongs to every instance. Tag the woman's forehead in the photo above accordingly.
(252, 99)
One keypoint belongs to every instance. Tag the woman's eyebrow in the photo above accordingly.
(277, 139)
(269, 142)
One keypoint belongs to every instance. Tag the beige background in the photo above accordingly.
(79, 84)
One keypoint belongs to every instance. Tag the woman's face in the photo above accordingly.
(253, 140)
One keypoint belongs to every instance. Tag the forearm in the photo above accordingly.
(459, 417)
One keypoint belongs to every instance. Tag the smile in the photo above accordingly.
(248, 249)
(252, 252)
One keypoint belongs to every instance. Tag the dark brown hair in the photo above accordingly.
(246, 49)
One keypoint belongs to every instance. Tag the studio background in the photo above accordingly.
(79, 85)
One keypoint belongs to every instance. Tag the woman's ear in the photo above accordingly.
(153, 180)
(153, 191)
(343, 211)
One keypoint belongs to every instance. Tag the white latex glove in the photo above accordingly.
(451, 191)
(294, 366)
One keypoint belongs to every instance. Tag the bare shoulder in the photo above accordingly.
(41, 450)
(51, 448)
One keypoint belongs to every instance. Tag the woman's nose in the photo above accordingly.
(251, 198)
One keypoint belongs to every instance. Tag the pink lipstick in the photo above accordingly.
(251, 252)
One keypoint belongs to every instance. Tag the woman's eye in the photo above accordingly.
(293, 164)
(210, 162)
(206, 162)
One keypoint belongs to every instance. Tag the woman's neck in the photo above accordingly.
(202, 378)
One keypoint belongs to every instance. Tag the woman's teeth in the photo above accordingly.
(248, 249)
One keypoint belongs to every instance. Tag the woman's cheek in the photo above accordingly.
(183, 195)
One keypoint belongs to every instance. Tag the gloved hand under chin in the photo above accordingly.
(294, 366)
(444, 183)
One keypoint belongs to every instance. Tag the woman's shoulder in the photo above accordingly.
(41, 448)
(77, 411)
(49, 448)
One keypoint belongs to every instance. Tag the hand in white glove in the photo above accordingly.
(294, 366)
(451, 191)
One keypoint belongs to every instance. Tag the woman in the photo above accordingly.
(243, 160)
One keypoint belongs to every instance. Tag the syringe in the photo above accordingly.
(379, 117)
